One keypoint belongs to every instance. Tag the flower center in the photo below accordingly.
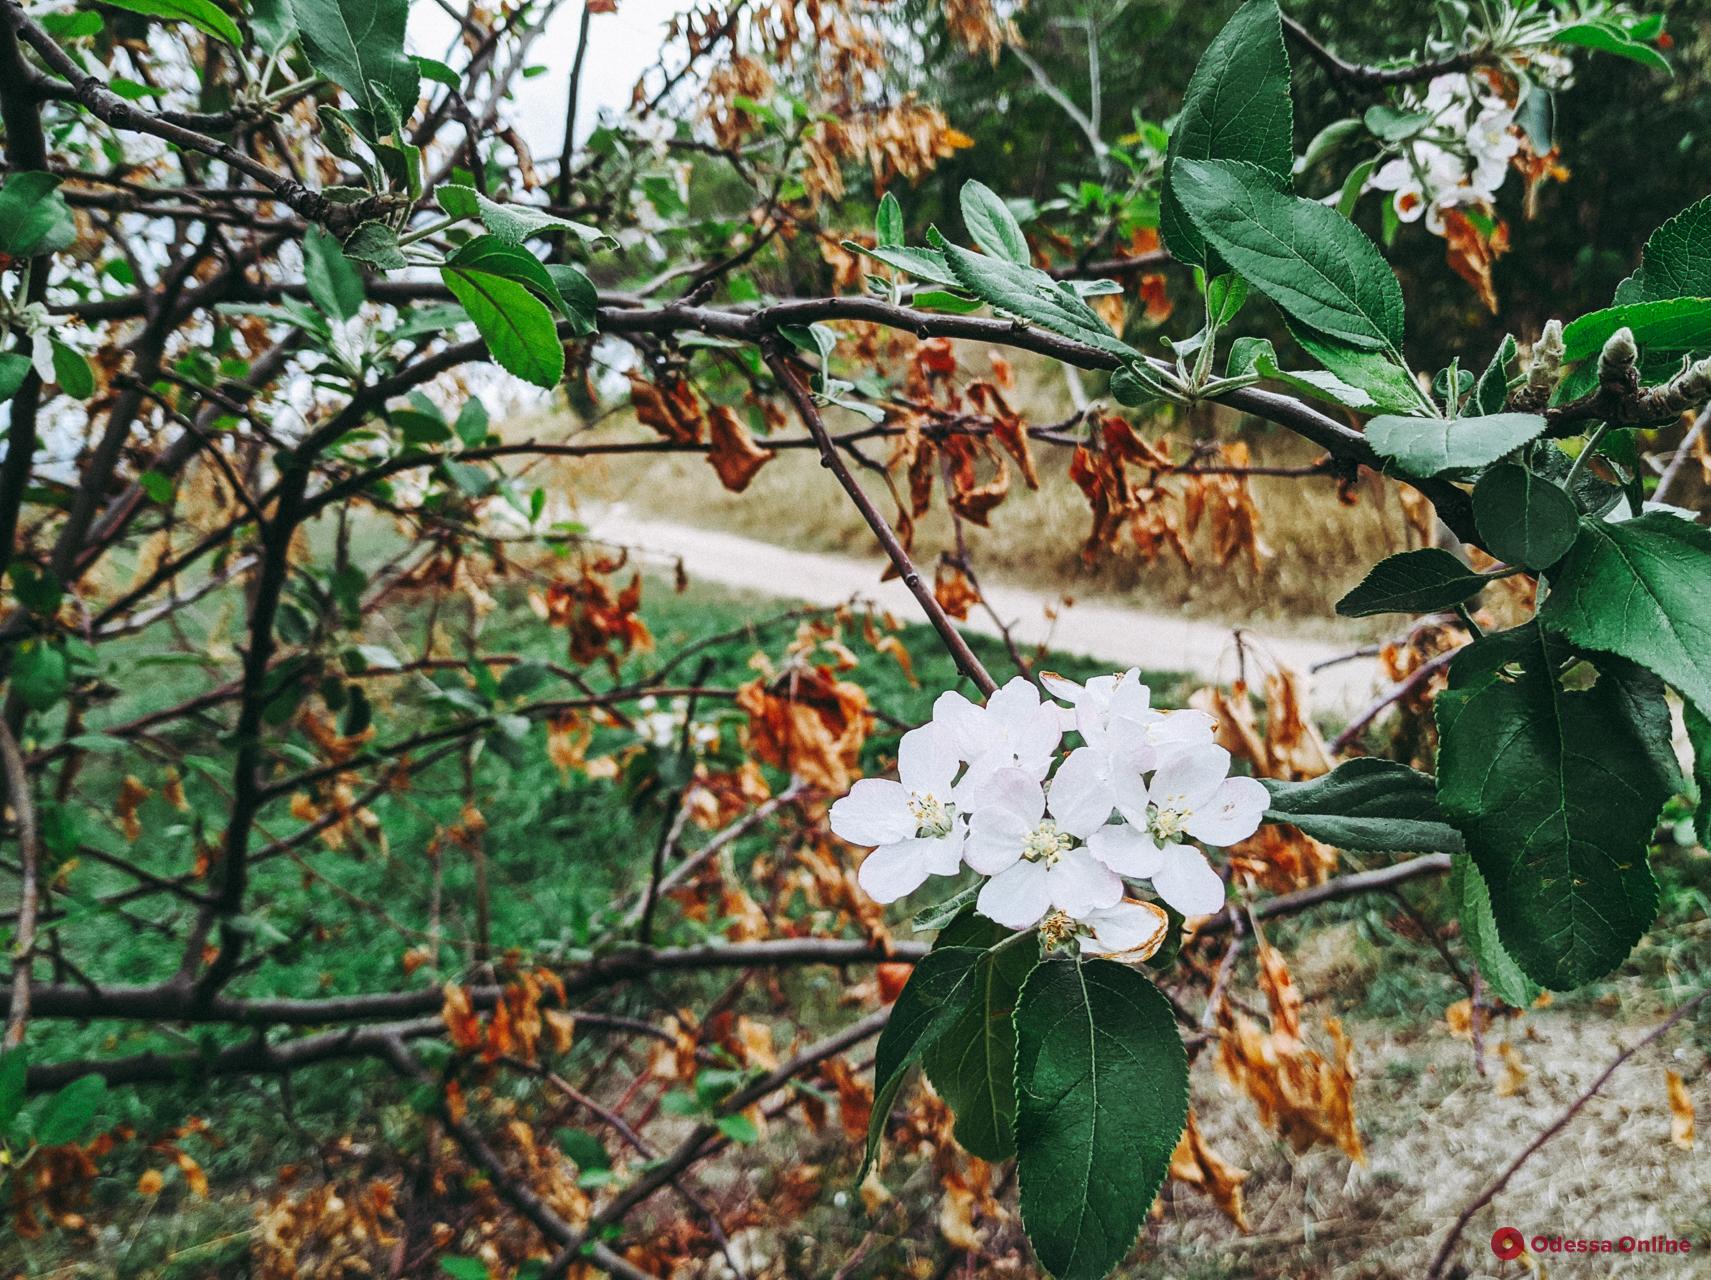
(1166, 823)
(1045, 843)
(1058, 928)
(932, 815)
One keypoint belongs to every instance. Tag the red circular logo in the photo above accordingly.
(1506, 1243)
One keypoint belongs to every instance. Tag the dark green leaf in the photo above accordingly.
(273, 24)
(922, 264)
(1420, 581)
(1472, 902)
(437, 71)
(1379, 375)
(1311, 261)
(1028, 293)
(1699, 735)
(973, 1064)
(1670, 324)
(1237, 107)
(1606, 37)
(72, 372)
(511, 223)
(738, 1128)
(1257, 355)
(205, 17)
(334, 283)
(941, 914)
(359, 46)
(1676, 262)
(991, 225)
(1524, 518)
(1556, 793)
(465, 1268)
(1430, 446)
(69, 1115)
(34, 217)
(1640, 588)
(376, 244)
(1101, 1100)
(1367, 805)
(1492, 391)
(14, 368)
(929, 1005)
(14, 1067)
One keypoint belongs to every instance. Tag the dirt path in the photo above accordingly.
(1121, 635)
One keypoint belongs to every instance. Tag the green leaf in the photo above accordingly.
(1379, 375)
(359, 46)
(494, 256)
(14, 368)
(1524, 518)
(1699, 734)
(922, 264)
(973, 1064)
(888, 223)
(465, 1268)
(1676, 262)
(205, 17)
(72, 371)
(437, 71)
(1422, 581)
(334, 283)
(1257, 355)
(941, 914)
(273, 24)
(40, 675)
(1606, 37)
(1556, 792)
(1237, 107)
(1101, 1100)
(1472, 902)
(928, 1006)
(1366, 805)
(1028, 293)
(1640, 588)
(584, 1148)
(69, 1115)
(1430, 446)
(376, 244)
(34, 217)
(512, 223)
(577, 296)
(1491, 393)
(992, 226)
(738, 1128)
(516, 325)
(1669, 324)
(1311, 261)
(14, 1069)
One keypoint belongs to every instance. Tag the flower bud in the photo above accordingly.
(1616, 362)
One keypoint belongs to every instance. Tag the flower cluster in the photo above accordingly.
(1458, 152)
(1058, 851)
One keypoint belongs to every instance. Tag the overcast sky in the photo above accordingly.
(621, 46)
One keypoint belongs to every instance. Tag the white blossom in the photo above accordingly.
(911, 823)
(1035, 855)
(1191, 794)
(1014, 730)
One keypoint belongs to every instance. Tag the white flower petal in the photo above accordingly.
(1132, 930)
(1080, 799)
(927, 761)
(1011, 707)
(894, 871)
(1012, 791)
(1188, 883)
(1037, 739)
(1062, 687)
(944, 857)
(1079, 883)
(1233, 813)
(1187, 779)
(964, 722)
(876, 811)
(1127, 850)
(1181, 730)
(994, 840)
(1015, 898)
